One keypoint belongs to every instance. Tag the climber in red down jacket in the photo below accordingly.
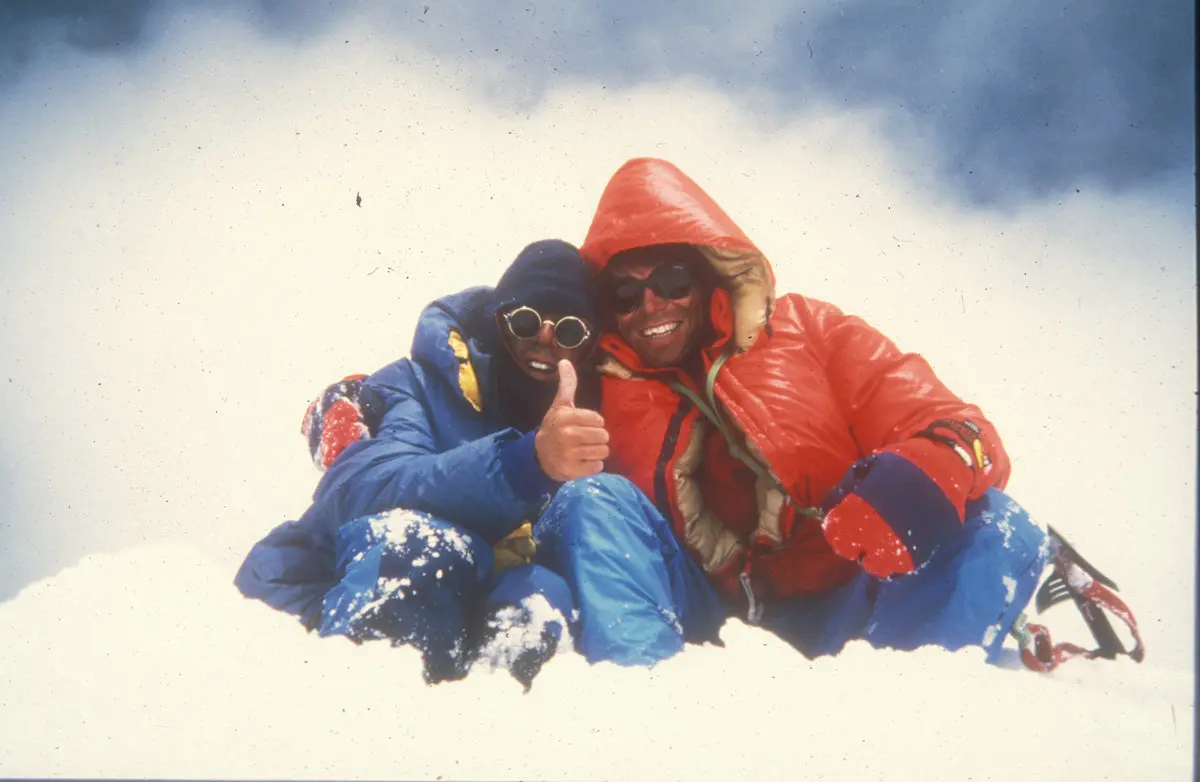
(831, 486)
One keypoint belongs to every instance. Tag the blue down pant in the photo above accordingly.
(968, 593)
(607, 564)
(416, 579)
(640, 594)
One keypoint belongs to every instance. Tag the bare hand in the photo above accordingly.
(571, 443)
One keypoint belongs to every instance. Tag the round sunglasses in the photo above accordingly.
(672, 282)
(570, 332)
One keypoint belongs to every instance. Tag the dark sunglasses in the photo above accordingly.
(526, 323)
(672, 282)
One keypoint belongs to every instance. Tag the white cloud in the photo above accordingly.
(184, 267)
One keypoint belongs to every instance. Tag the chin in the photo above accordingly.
(543, 377)
(662, 361)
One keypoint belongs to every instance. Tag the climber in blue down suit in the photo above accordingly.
(463, 507)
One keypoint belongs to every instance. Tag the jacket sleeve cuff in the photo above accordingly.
(518, 460)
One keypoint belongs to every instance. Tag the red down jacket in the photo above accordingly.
(805, 398)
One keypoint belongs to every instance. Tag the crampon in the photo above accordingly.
(1093, 593)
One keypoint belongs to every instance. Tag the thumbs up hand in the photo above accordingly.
(568, 381)
(571, 442)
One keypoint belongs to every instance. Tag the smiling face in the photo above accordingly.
(538, 356)
(657, 302)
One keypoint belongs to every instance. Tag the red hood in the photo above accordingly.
(650, 201)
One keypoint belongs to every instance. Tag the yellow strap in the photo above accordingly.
(979, 454)
(467, 383)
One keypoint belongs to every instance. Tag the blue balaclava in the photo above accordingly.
(549, 276)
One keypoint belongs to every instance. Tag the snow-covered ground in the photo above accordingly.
(146, 663)
(185, 267)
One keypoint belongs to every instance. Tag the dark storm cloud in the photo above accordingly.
(1003, 100)
(85, 24)
(115, 26)
(1023, 96)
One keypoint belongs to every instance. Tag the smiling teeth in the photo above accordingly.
(658, 331)
(538, 365)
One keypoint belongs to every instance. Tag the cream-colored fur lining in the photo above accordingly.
(771, 497)
(704, 532)
(610, 366)
(745, 274)
(770, 506)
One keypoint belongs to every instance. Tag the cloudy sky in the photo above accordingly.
(1007, 188)
(1003, 103)
(182, 264)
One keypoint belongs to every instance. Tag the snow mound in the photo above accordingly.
(149, 663)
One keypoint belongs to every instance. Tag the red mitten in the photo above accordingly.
(894, 508)
(343, 414)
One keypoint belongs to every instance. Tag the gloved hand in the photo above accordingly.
(341, 415)
(894, 508)
(517, 548)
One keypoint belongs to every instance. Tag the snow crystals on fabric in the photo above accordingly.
(1044, 549)
(402, 528)
(672, 619)
(398, 535)
(519, 629)
(1010, 585)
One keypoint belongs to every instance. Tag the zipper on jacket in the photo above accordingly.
(711, 411)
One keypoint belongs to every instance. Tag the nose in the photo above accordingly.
(651, 302)
(545, 334)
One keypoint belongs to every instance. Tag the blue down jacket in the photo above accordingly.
(439, 448)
